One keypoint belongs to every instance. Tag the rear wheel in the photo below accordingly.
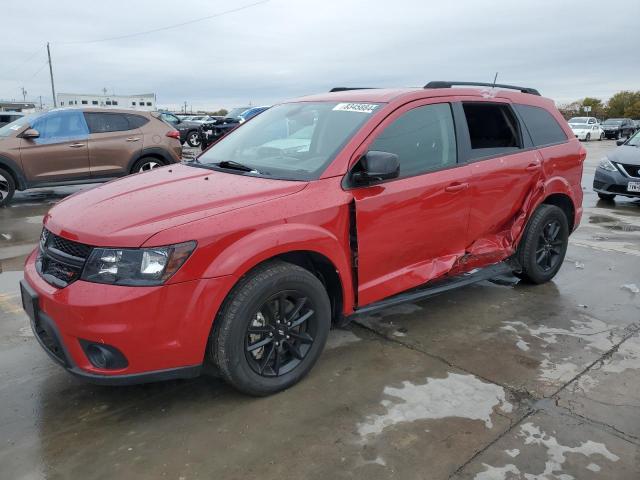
(271, 329)
(606, 196)
(145, 164)
(544, 244)
(193, 139)
(7, 187)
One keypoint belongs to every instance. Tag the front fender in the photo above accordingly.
(241, 256)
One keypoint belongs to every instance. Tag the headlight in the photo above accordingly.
(136, 266)
(605, 164)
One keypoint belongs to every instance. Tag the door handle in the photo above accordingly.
(456, 187)
(133, 139)
(76, 145)
(532, 167)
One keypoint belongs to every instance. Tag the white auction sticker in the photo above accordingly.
(356, 107)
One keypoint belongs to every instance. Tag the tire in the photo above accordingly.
(7, 187)
(254, 305)
(606, 196)
(145, 164)
(588, 137)
(193, 138)
(543, 245)
(601, 137)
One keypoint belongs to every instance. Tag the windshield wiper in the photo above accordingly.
(230, 164)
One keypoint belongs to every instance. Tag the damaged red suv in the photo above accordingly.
(317, 210)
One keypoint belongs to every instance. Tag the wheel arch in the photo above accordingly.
(11, 167)
(152, 152)
(565, 203)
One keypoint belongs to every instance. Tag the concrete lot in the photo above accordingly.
(489, 382)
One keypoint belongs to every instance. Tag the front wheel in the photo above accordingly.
(271, 329)
(588, 137)
(601, 137)
(544, 244)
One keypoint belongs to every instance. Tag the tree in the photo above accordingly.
(220, 113)
(597, 107)
(621, 101)
(633, 111)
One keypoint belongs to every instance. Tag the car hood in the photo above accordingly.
(625, 154)
(128, 211)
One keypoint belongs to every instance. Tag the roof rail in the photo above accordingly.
(447, 84)
(346, 89)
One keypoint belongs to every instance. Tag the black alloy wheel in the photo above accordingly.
(549, 248)
(281, 334)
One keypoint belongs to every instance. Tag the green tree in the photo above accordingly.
(621, 101)
(220, 113)
(633, 110)
(597, 107)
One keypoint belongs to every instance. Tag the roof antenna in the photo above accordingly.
(494, 80)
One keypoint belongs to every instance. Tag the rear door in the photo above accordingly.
(60, 152)
(114, 141)
(505, 170)
(413, 228)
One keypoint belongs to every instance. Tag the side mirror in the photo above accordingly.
(376, 167)
(30, 133)
(622, 141)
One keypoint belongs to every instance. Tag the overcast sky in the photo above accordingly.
(279, 49)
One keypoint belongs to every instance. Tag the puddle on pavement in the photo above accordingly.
(556, 455)
(611, 223)
(457, 395)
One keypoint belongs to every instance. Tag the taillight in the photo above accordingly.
(173, 134)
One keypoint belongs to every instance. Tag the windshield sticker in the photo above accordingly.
(356, 107)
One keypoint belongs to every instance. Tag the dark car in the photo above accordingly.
(8, 117)
(212, 131)
(189, 131)
(619, 172)
(618, 128)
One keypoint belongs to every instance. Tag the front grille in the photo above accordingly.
(631, 170)
(61, 261)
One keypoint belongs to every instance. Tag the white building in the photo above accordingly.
(143, 101)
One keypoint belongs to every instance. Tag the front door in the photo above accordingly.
(60, 152)
(413, 228)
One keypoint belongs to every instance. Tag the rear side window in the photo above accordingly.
(108, 122)
(493, 129)
(136, 121)
(423, 138)
(543, 128)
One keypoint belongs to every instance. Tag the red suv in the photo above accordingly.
(314, 211)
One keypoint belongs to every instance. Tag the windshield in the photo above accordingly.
(635, 140)
(11, 128)
(612, 121)
(578, 126)
(292, 141)
(579, 120)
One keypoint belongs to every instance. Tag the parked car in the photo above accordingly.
(71, 146)
(618, 128)
(636, 123)
(206, 118)
(8, 117)
(210, 132)
(590, 129)
(239, 262)
(619, 172)
(188, 129)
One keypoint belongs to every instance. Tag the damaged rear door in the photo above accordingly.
(412, 228)
(506, 174)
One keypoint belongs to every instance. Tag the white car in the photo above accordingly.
(586, 128)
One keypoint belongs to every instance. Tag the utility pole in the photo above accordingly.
(40, 102)
(24, 95)
(53, 88)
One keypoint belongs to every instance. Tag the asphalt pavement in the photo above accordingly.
(493, 381)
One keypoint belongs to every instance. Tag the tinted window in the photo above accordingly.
(167, 117)
(136, 121)
(493, 128)
(543, 128)
(107, 122)
(60, 127)
(423, 139)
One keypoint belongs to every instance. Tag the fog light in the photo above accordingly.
(104, 356)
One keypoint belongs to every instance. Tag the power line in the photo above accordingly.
(168, 27)
(24, 62)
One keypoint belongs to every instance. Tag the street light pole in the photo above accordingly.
(53, 88)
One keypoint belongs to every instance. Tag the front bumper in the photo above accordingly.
(613, 183)
(161, 331)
